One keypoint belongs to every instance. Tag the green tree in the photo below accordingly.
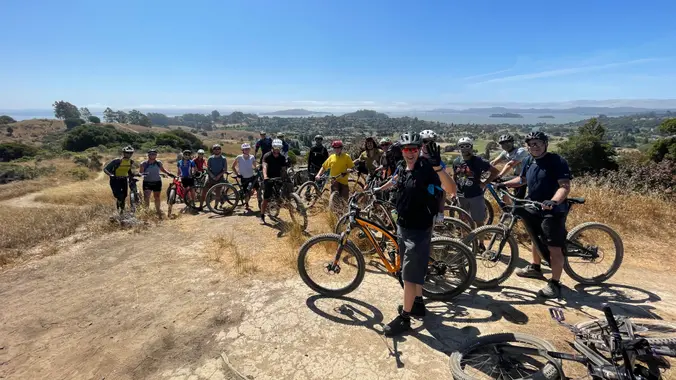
(10, 131)
(109, 115)
(121, 117)
(94, 119)
(13, 151)
(587, 151)
(64, 110)
(215, 115)
(663, 149)
(84, 113)
(668, 127)
(4, 119)
(73, 122)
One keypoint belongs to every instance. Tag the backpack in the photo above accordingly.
(434, 193)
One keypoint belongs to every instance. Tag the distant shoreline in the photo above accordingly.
(508, 114)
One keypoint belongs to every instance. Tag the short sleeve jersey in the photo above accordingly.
(414, 198)
(467, 174)
(543, 175)
(339, 165)
(518, 154)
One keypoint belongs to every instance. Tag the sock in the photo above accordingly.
(418, 299)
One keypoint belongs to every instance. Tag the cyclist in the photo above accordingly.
(217, 165)
(419, 181)
(548, 178)
(119, 170)
(338, 163)
(186, 171)
(285, 145)
(274, 166)
(152, 182)
(384, 144)
(243, 167)
(514, 157)
(369, 159)
(200, 161)
(318, 155)
(467, 172)
(428, 136)
(264, 144)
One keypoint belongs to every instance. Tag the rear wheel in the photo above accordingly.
(506, 355)
(297, 211)
(496, 255)
(490, 214)
(337, 204)
(458, 213)
(222, 198)
(594, 252)
(171, 199)
(452, 228)
(319, 269)
(656, 332)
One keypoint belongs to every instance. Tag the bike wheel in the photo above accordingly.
(297, 211)
(450, 271)
(358, 235)
(486, 356)
(381, 213)
(222, 198)
(496, 255)
(490, 214)
(452, 228)
(309, 193)
(656, 332)
(171, 199)
(133, 202)
(336, 203)
(355, 185)
(458, 213)
(320, 251)
(583, 242)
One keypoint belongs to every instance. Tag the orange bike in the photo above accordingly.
(451, 269)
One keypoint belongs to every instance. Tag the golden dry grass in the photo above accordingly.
(225, 251)
(32, 131)
(83, 193)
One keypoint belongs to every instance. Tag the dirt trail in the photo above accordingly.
(149, 305)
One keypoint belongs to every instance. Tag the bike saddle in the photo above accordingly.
(575, 200)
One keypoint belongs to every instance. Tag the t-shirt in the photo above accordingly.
(200, 163)
(264, 144)
(371, 161)
(216, 164)
(184, 167)
(414, 197)
(543, 175)
(275, 164)
(152, 170)
(518, 154)
(245, 165)
(120, 167)
(467, 174)
(317, 157)
(338, 165)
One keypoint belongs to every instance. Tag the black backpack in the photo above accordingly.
(434, 194)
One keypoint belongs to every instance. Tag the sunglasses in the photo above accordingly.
(535, 144)
(152, 154)
(410, 149)
(465, 146)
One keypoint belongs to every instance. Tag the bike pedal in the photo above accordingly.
(557, 314)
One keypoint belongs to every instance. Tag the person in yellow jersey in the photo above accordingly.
(119, 170)
(338, 163)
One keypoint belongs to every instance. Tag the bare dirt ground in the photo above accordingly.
(151, 305)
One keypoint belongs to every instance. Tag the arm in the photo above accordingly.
(130, 172)
(494, 174)
(141, 168)
(390, 184)
(165, 171)
(447, 182)
(235, 163)
(265, 170)
(109, 169)
(562, 192)
(508, 166)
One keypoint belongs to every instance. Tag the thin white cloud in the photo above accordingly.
(566, 71)
(486, 74)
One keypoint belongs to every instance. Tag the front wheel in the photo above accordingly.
(309, 193)
(222, 198)
(171, 199)
(297, 211)
(594, 252)
(496, 255)
(330, 267)
(512, 355)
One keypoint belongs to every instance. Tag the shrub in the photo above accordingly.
(79, 174)
(10, 131)
(13, 151)
(11, 172)
(94, 119)
(292, 158)
(651, 178)
(4, 119)
(73, 122)
(587, 151)
(663, 149)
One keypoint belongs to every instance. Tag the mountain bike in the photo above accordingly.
(311, 191)
(284, 198)
(606, 353)
(135, 199)
(454, 210)
(176, 193)
(497, 250)
(450, 271)
(225, 196)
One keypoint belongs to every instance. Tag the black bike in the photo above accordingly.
(607, 352)
(134, 195)
(284, 198)
(497, 250)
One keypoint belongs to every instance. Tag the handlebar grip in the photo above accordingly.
(611, 319)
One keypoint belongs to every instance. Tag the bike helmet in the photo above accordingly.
(128, 149)
(385, 141)
(410, 138)
(152, 151)
(277, 144)
(428, 134)
(337, 144)
(187, 152)
(246, 146)
(505, 138)
(465, 140)
(262, 133)
(280, 135)
(215, 146)
(319, 137)
(201, 151)
(537, 135)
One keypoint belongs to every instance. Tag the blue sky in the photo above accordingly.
(325, 54)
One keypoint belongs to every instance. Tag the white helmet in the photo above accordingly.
(428, 134)
(277, 144)
(201, 151)
(246, 146)
(465, 140)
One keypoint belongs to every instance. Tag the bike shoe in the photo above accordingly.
(551, 290)
(529, 271)
(398, 326)
(418, 309)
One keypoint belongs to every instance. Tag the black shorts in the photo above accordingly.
(246, 182)
(550, 225)
(154, 186)
(188, 181)
(267, 190)
(414, 248)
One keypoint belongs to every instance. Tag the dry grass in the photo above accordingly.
(225, 251)
(32, 131)
(20, 188)
(83, 193)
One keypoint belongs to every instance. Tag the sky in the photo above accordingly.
(331, 55)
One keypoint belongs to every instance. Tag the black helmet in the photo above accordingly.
(410, 138)
(187, 151)
(505, 138)
(153, 150)
(319, 137)
(537, 135)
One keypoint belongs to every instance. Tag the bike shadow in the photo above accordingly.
(627, 300)
(284, 228)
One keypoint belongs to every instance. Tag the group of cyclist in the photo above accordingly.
(417, 180)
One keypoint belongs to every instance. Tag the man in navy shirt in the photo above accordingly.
(548, 178)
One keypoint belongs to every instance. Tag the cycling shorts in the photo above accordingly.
(550, 225)
(154, 186)
(188, 181)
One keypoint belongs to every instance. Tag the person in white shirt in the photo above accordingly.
(514, 157)
(244, 168)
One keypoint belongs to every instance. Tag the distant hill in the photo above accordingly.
(294, 112)
(591, 111)
(507, 114)
(366, 114)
